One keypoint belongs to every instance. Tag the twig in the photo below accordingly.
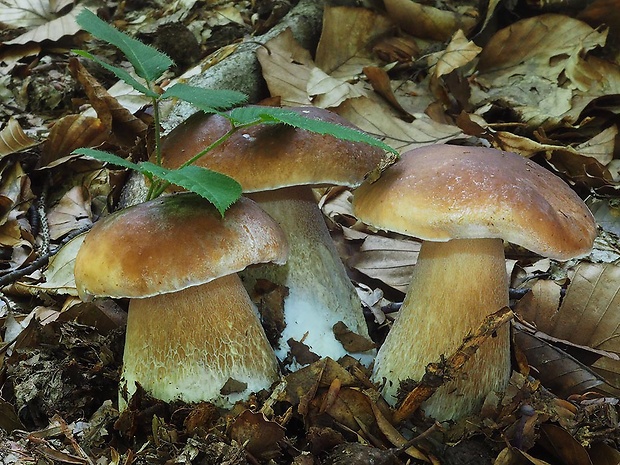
(438, 373)
(11, 277)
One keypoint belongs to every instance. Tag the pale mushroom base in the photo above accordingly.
(455, 285)
(186, 345)
(320, 293)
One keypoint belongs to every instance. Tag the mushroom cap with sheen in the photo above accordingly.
(172, 243)
(272, 156)
(444, 192)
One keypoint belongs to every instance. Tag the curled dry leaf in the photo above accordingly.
(13, 139)
(428, 22)
(346, 40)
(540, 69)
(72, 132)
(124, 126)
(459, 52)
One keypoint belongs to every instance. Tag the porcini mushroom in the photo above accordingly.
(277, 165)
(461, 202)
(191, 325)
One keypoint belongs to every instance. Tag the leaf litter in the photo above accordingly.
(545, 86)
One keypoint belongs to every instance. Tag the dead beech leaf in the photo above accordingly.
(13, 139)
(589, 313)
(540, 69)
(286, 67)
(428, 22)
(257, 435)
(70, 213)
(602, 454)
(389, 260)
(561, 444)
(15, 13)
(601, 146)
(53, 29)
(72, 132)
(541, 44)
(459, 52)
(302, 385)
(513, 456)
(375, 117)
(292, 75)
(327, 91)
(346, 40)
(125, 127)
(381, 83)
(558, 371)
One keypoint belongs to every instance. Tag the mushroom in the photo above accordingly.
(461, 202)
(191, 325)
(280, 164)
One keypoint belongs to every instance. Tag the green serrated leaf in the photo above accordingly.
(148, 62)
(207, 100)
(121, 74)
(107, 157)
(274, 115)
(219, 189)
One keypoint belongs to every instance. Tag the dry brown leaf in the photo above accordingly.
(13, 139)
(70, 213)
(562, 445)
(607, 214)
(259, 436)
(17, 13)
(541, 45)
(536, 66)
(429, 22)
(381, 83)
(53, 29)
(328, 92)
(286, 68)
(601, 146)
(72, 132)
(389, 260)
(514, 456)
(558, 371)
(589, 312)
(588, 315)
(346, 39)
(602, 454)
(459, 52)
(375, 117)
(125, 127)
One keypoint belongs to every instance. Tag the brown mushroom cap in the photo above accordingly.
(266, 156)
(172, 243)
(445, 192)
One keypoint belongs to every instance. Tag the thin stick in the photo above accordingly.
(438, 373)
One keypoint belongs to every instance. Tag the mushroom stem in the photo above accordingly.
(441, 308)
(185, 345)
(320, 293)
